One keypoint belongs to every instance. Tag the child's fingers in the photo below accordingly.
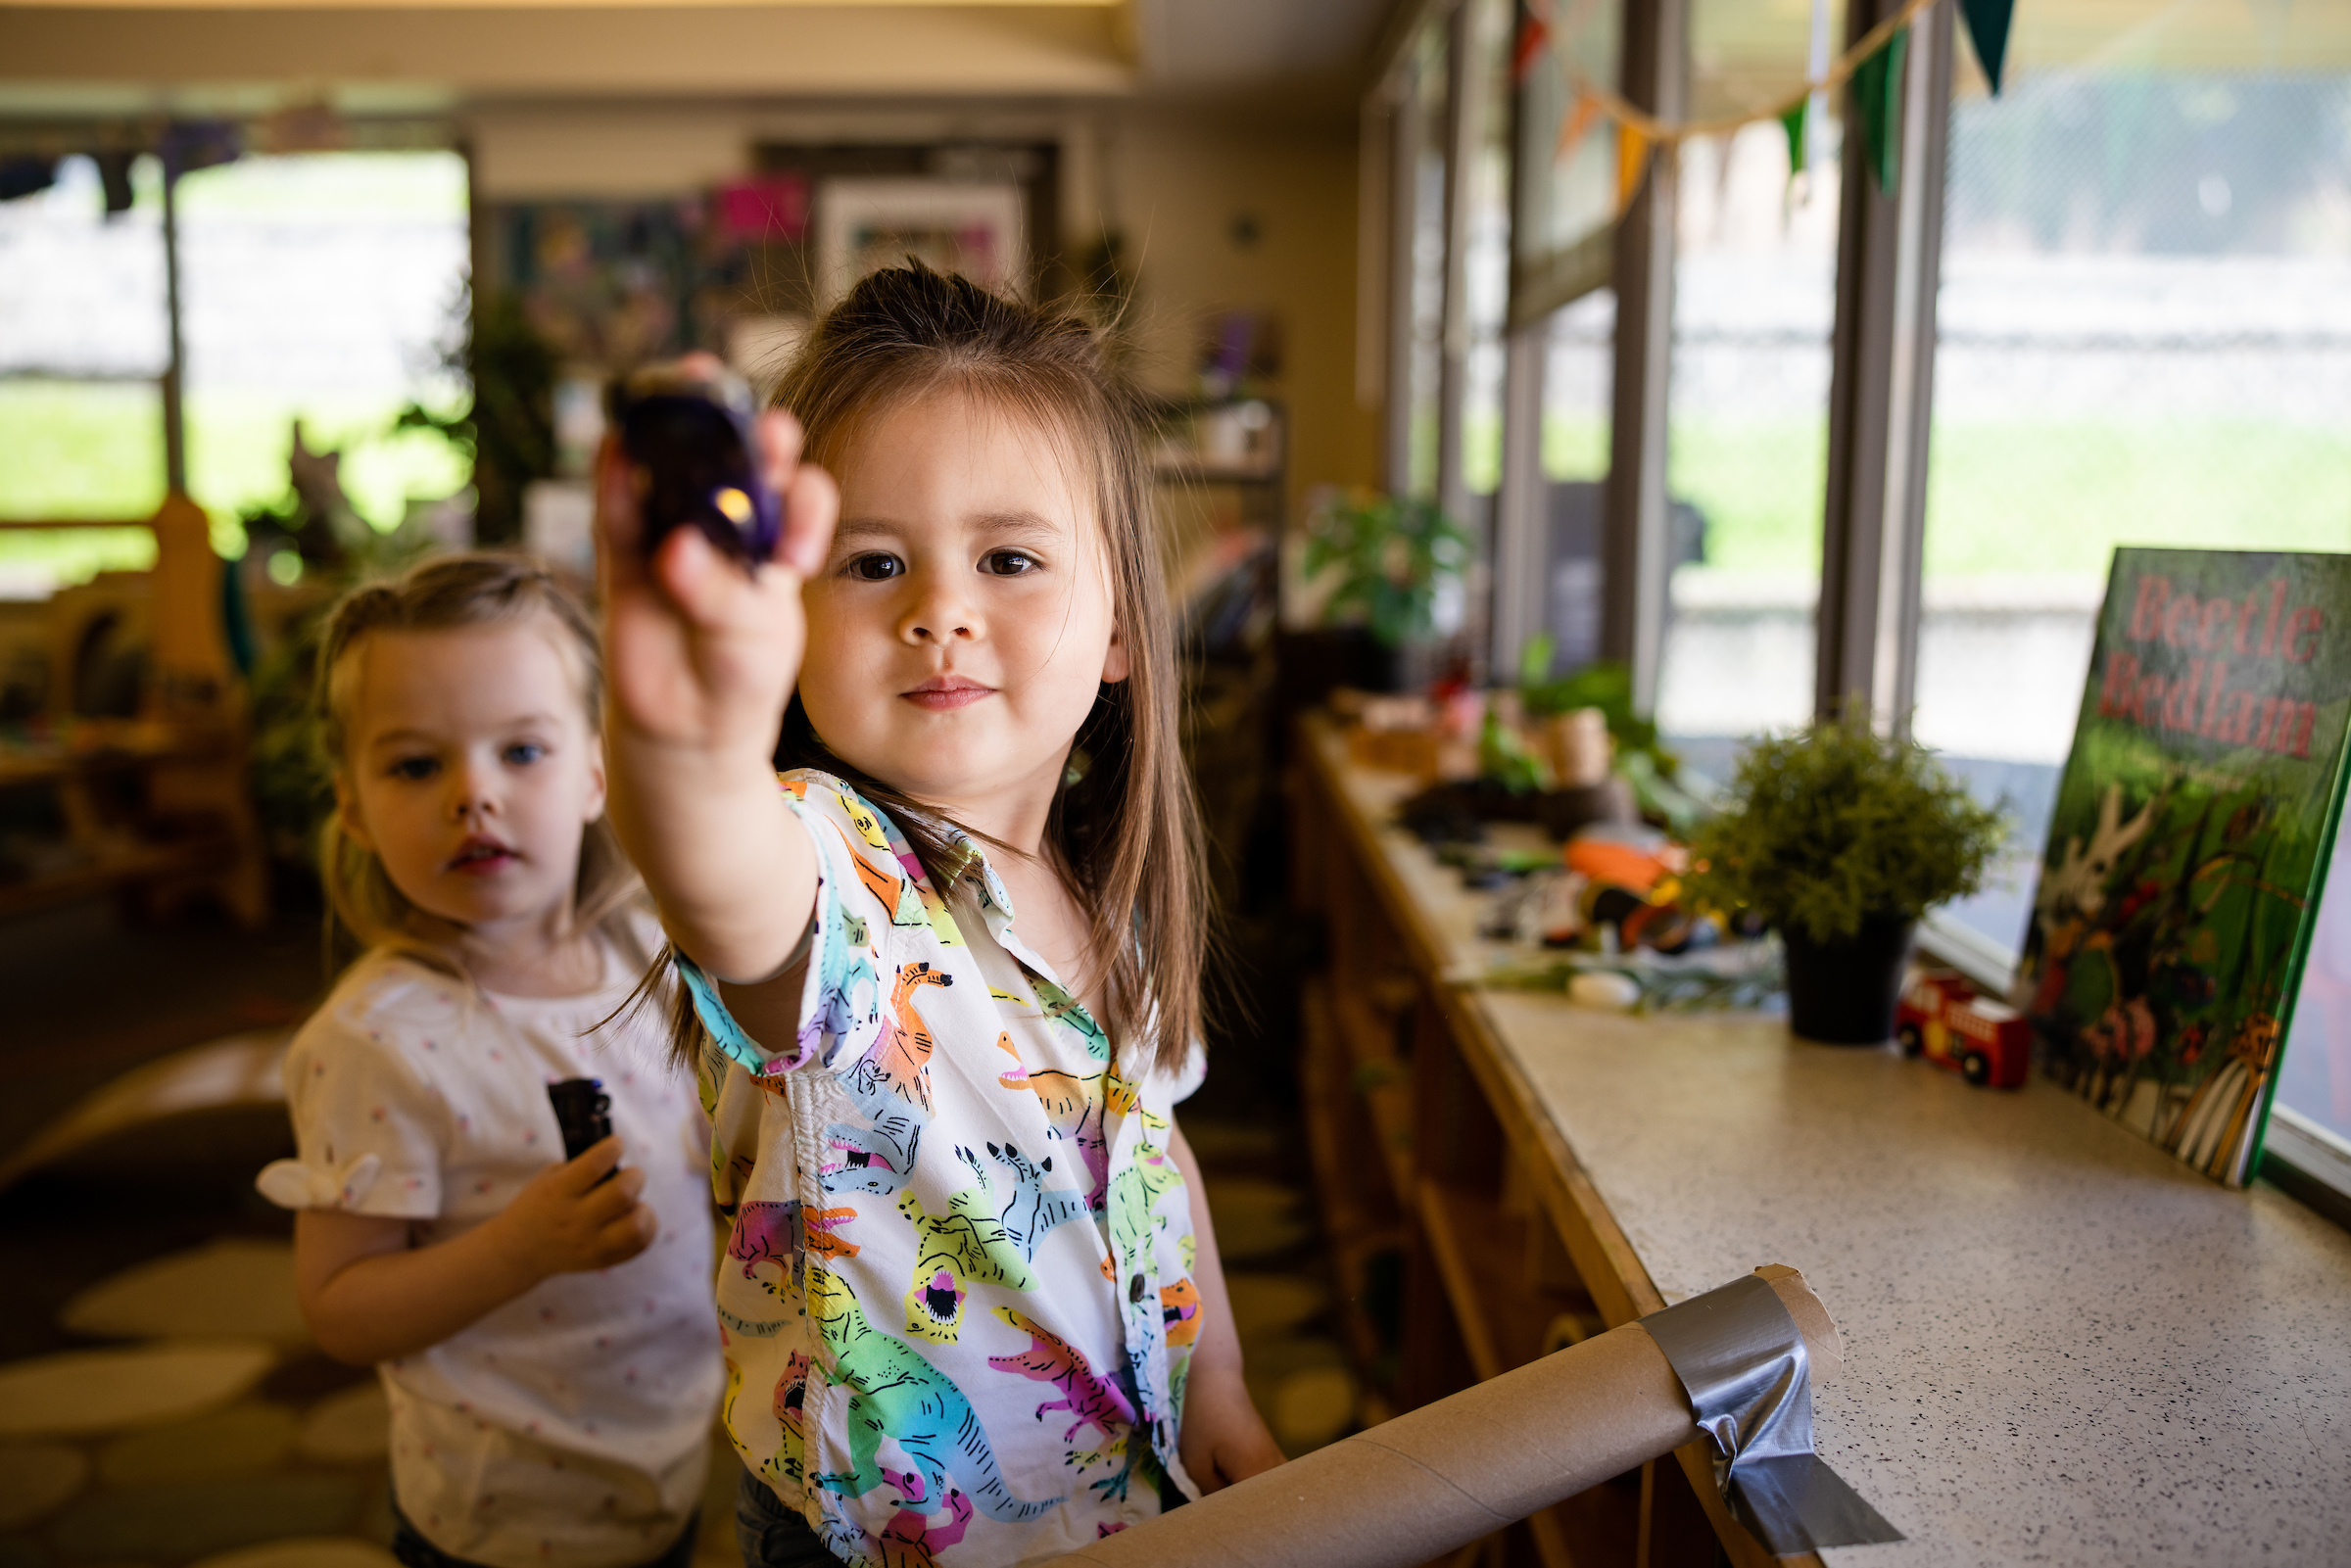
(602, 1204)
(595, 1163)
(619, 519)
(706, 585)
(779, 438)
(811, 508)
(623, 1238)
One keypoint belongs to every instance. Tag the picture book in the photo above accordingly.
(2192, 832)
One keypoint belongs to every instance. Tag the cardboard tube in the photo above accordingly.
(1444, 1475)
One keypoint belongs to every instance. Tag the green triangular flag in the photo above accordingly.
(1878, 106)
(1987, 29)
(1793, 123)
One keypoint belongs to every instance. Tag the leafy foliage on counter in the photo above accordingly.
(1824, 827)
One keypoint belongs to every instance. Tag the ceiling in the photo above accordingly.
(106, 56)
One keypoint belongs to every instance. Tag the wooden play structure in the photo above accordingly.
(155, 803)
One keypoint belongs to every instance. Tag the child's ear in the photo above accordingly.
(1113, 659)
(594, 807)
(348, 815)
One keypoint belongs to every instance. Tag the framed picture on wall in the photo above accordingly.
(975, 229)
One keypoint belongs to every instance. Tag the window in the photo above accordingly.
(2144, 337)
(1578, 348)
(1420, 127)
(82, 344)
(1754, 303)
(1563, 238)
(325, 287)
(1486, 257)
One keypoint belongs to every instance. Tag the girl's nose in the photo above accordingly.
(936, 613)
(471, 795)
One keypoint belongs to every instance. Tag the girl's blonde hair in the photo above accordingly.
(1126, 830)
(445, 593)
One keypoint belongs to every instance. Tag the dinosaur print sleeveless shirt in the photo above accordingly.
(956, 1301)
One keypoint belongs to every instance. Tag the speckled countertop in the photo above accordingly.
(2062, 1348)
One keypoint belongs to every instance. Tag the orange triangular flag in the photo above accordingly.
(1633, 148)
(1574, 125)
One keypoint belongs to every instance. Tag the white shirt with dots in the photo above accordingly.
(571, 1425)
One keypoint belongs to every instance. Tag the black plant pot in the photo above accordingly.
(1844, 994)
(1311, 663)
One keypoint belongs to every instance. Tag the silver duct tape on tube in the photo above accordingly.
(1436, 1478)
(1749, 1374)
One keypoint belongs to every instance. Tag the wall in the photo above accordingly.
(1173, 179)
(1176, 179)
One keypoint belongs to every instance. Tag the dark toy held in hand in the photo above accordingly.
(690, 440)
(584, 1112)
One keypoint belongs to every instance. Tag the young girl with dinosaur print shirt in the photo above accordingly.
(944, 981)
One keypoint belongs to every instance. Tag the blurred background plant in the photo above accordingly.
(1645, 763)
(505, 427)
(1393, 559)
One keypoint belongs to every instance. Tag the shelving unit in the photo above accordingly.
(190, 825)
(1426, 1150)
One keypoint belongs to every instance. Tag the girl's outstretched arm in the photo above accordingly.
(368, 1295)
(701, 659)
(1224, 1439)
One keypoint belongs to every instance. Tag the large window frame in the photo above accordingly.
(1879, 403)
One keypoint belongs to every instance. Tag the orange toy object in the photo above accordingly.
(1619, 865)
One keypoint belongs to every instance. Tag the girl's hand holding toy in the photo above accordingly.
(570, 1220)
(702, 659)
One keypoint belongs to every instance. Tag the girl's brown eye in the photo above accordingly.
(876, 567)
(1010, 563)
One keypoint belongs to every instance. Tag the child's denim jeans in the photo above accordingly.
(411, 1547)
(774, 1535)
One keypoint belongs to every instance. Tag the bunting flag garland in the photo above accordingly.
(1574, 124)
(1633, 148)
(1534, 36)
(1793, 123)
(1878, 105)
(1987, 29)
(1873, 65)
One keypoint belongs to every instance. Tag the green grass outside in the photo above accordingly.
(1574, 448)
(238, 442)
(2017, 496)
(2058, 498)
(81, 450)
(2003, 497)
(73, 449)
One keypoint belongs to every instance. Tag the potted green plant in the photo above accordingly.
(1840, 839)
(1392, 558)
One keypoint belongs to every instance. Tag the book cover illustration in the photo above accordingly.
(2193, 820)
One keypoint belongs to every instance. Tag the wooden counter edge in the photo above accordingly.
(1603, 1256)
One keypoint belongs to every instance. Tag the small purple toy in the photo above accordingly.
(689, 437)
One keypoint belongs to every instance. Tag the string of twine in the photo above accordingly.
(1651, 129)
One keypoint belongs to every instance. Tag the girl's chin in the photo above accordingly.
(474, 900)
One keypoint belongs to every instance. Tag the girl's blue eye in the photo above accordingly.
(1009, 562)
(522, 753)
(876, 567)
(415, 770)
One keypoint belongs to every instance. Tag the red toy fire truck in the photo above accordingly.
(1943, 1019)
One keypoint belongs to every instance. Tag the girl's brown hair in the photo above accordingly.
(445, 593)
(1126, 832)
